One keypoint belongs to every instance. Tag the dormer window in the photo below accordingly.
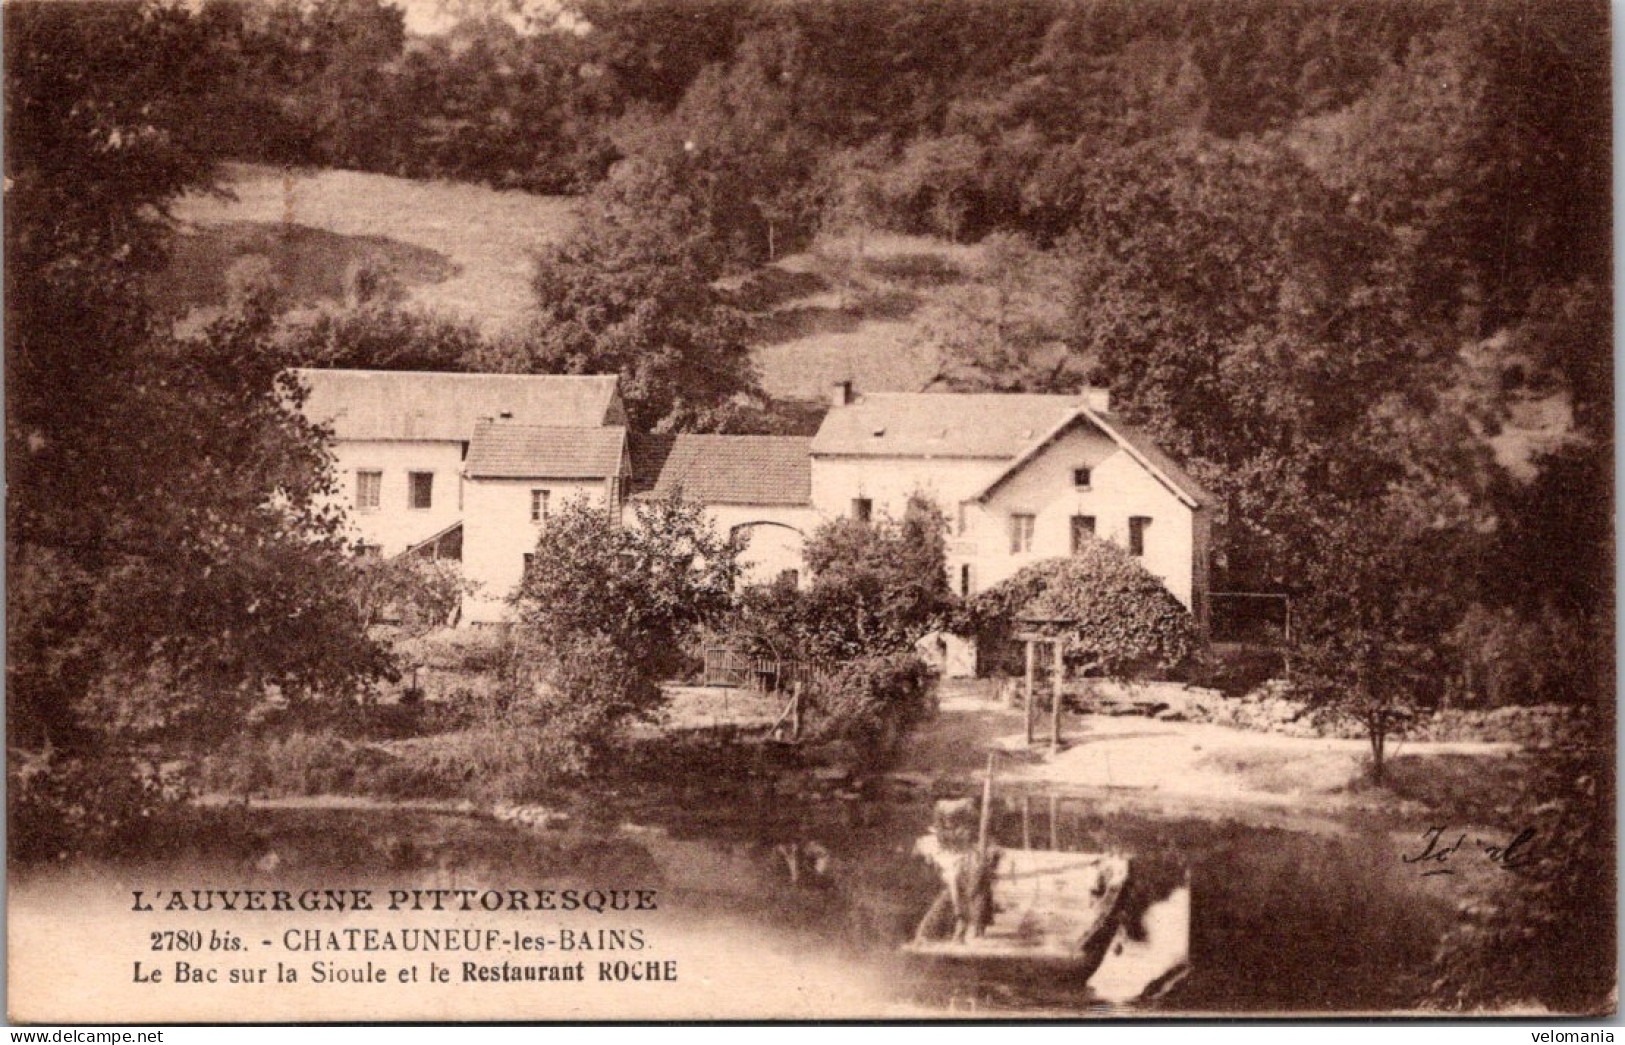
(1081, 478)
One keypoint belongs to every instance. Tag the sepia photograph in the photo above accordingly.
(809, 510)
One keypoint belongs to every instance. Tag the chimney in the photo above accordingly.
(1099, 399)
(840, 393)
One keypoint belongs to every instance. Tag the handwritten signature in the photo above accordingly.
(1437, 850)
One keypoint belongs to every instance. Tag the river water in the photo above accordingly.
(812, 900)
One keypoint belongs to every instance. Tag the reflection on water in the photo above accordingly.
(1214, 917)
(1217, 917)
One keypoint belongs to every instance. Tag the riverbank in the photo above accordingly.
(1175, 768)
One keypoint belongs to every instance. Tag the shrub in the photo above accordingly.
(300, 763)
(1541, 935)
(63, 806)
(877, 588)
(1120, 618)
(1506, 658)
(871, 702)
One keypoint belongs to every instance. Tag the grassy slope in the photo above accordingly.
(458, 248)
(832, 314)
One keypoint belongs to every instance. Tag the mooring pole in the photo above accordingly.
(1055, 710)
(1029, 689)
(987, 807)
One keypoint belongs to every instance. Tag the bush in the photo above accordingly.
(301, 763)
(871, 702)
(1506, 658)
(63, 806)
(877, 588)
(1542, 934)
(1120, 618)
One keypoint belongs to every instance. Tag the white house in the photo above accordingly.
(1020, 477)
(445, 464)
(757, 488)
(469, 466)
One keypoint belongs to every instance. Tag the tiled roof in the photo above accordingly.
(724, 469)
(942, 424)
(505, 450)
(380, 404)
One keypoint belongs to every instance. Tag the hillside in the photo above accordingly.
(843, 310)
(463, 249)
(831, 314)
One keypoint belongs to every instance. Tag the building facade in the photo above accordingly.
(470, 466)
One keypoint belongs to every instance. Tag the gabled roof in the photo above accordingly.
(942, 424)
(505, 450)
(383, 404)
(1129, 439)
(724, 469)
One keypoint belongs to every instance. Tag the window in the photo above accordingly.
(530, 560)
(789, 578)
(959, 521)
(363, 550)
(538, 505)
(965, 580)
(1083, 528)
(369, 488)
(1021, 534)
(421, 490)
(1080, 478)
(1136, 534)
(862, 508)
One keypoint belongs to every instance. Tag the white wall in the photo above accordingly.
(889, 482)
(498, 532)
(776, 536)
(393, 524)
(1119, 488)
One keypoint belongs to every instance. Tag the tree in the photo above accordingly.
(383, 336)
(877, 587)
(418, 592)
(636, 591)
(1116, 616)
(629, 292)
(192, 607)
(1369, 635)
(1005, 330)
(170, 556)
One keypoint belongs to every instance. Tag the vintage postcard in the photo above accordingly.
(599, 510)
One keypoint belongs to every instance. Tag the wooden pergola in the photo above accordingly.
(1036, 632)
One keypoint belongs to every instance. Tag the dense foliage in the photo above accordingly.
(877, 588)
(171, 562)
(605, 608)
(1118, 617)
(1326, 253)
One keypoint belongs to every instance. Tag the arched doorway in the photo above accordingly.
(771, 550)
